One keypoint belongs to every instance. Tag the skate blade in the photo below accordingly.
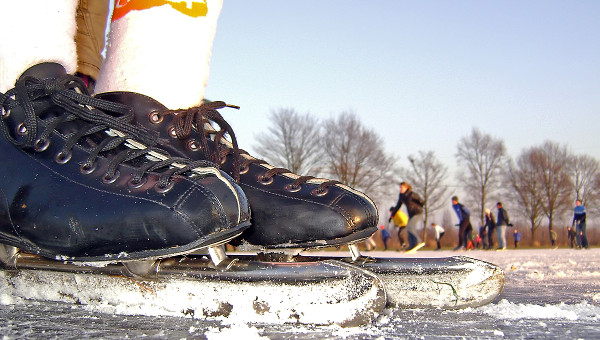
(448, 283)
(324, 292)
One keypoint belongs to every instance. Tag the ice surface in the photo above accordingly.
(549, 294)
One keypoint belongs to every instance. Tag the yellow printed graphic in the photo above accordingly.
(190, 8)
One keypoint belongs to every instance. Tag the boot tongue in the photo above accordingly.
(142, 105)
(44, 71)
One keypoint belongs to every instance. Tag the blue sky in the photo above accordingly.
(421, 74)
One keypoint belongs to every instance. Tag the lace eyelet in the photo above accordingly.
(193, 145)
(264, 180)
(4, 113)
(155, 117)
(63, 157)
(244, 169)
(319, 192)
(292, 188)
(21, 129)
(40, 145)
(133, 184)
(111, 179)
(87, 168)
(171, 132)
(161, 190)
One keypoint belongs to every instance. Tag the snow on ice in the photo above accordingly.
(549, 294)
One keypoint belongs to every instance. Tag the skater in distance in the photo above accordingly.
(502, 222)
(580, 225)
(464, 223)
(414, 206)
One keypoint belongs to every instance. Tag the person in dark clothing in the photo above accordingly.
(385, 236)
(414, 207)
(400, 220)
(464, 223)
(502, 222)
(572, 236)
(517, 236)
(579, 224)
(490, 224)
(483, 237)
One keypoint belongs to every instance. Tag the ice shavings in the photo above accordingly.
(512, 311)
(238, 331)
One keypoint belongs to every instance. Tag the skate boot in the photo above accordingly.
(288, 211)
(79, 182)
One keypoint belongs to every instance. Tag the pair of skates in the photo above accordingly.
(100, 189)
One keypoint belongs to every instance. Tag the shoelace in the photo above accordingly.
(70, 94)
(200, 118)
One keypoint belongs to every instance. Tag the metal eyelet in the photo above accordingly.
(133, 184)
(40, 145)
(318, 192)
(87, 168)
(265, 180)
(63, 157)
(155, 117)
(21, 129)
(171, 132)
(193, 145)
(4, 113)
(111, 179)
(244, 169)
(161, 190)
(292, 188)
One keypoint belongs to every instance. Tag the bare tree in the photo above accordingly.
(585, 174)
(552, 162)
(483, 158)
(526, 187)
(355, 155)
(427, 175)
(291, 142)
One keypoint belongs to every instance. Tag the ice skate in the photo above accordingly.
(288, 211)
(91, 203)
(80, 183)
(278, 197)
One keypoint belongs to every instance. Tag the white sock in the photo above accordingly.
(161, 52)
(36, 31)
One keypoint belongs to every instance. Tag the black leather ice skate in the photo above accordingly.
(288, 211)
(79, 182)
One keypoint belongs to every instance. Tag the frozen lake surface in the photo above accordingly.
(549, 294)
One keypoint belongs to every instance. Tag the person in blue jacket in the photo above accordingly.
(517, 236)
(385, 236)
(580, 226)
(464, 223)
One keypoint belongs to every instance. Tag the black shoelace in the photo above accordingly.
(69, 93)
(199, 117)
